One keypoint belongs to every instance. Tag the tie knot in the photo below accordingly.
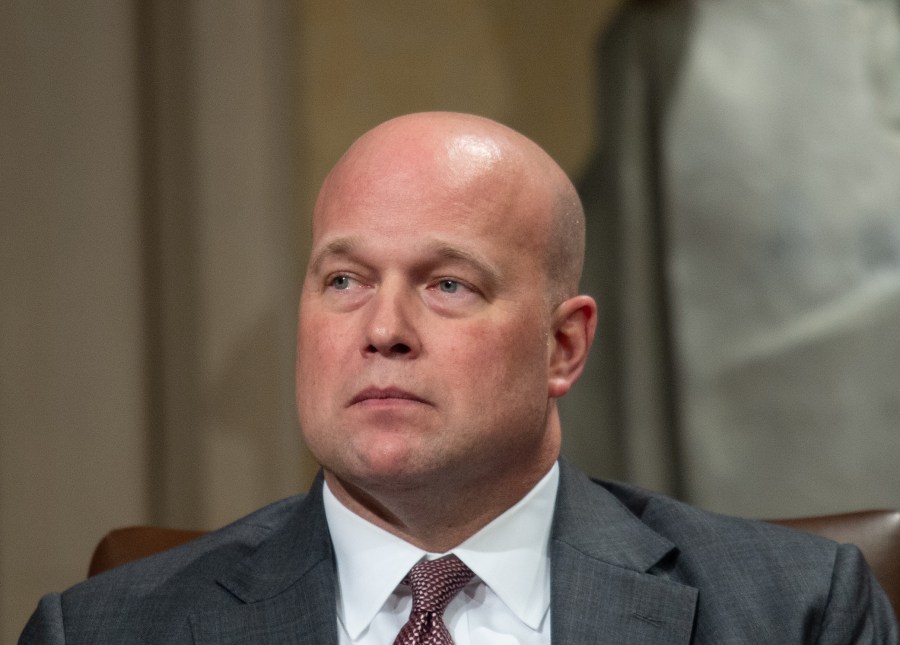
(435, 582)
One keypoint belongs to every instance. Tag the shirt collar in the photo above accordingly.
(510, 555)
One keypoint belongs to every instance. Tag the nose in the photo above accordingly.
(391, 329)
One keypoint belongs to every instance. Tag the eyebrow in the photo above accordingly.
(345, 246)
(451, 252)
(339, 246)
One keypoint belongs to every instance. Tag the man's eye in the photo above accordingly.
(449, 286)
(341, 282)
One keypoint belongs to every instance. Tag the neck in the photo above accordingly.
(439, 519)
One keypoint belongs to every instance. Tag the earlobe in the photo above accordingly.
(574, 322)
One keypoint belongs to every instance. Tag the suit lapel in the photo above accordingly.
(607, 586)
(300, 615)
(287, 587)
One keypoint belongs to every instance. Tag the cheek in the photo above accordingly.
(319, 339)
(319, 360)
(501, 360)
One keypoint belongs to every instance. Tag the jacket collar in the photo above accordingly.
(608, 574)
(607, 578)
(287, 585)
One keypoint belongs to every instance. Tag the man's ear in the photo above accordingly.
(574, 322)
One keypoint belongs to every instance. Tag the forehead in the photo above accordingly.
(465, 187)
(423, 230)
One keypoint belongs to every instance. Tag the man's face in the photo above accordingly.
(424, 321)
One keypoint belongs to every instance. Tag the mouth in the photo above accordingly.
(387, 395)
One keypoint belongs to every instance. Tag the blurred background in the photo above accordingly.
(740, 165)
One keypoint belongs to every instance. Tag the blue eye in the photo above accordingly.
(340, 282)
(448, 286)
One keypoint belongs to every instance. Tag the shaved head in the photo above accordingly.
(469, 148)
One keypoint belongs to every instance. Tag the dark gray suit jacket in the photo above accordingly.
(628, 566)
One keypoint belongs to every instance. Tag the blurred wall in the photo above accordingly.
(72, 379)
(150, 254)
(159, 161)
(744, 236)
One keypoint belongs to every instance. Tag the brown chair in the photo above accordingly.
(876, 533)
(120, 546)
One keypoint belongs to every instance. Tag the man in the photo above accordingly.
(439, 323)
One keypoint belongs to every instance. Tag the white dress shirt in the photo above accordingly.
(507, 602)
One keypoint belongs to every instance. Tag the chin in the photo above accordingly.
(375, 462)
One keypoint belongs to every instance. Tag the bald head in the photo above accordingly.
(465, 152)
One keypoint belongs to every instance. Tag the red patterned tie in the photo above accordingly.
(434, 583)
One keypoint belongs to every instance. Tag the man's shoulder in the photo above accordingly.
(156, 594)
(704, 537)
(686, 528)
(753, 579)
(199, 559)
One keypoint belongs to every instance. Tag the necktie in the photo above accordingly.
(433, 583)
